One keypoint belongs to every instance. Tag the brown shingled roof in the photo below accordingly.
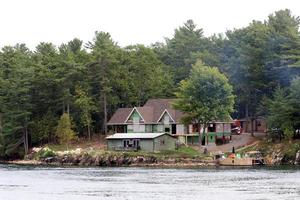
(147, 113)
(120, 116)
(151, 112)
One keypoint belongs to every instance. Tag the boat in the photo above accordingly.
(251, 158)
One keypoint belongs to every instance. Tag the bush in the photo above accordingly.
(290, 152)
(45, 153)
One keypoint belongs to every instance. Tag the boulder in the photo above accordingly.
(277, 158)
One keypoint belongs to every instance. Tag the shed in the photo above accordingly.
(141, 141)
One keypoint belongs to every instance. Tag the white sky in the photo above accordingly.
(128, 21)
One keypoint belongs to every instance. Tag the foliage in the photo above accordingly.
(46, 152)
(282, 110)
(205, 96)
(86, 106)
(43, 129)
(278, 110)
(64, 130)
(177, 52)
(295, 102)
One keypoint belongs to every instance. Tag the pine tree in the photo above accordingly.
(64, 130)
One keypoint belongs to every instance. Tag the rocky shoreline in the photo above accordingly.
(90, 158)
(85, 158)
(131, 162)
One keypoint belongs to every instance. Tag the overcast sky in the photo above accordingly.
(128, 21)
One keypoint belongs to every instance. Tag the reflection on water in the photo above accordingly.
(18, 183)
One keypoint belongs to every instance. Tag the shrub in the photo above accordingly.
(45, 153)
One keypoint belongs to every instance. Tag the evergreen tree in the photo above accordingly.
(64, 130)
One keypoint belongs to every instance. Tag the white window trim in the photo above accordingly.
(134, 109)
(165, 111)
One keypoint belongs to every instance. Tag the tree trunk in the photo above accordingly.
(252, 127)
(89, 131)
(25, 140)
(205, 134)
(246, 110)
(105, 113)
(68, 108)
(199, 138)
(1, 126)
(63, 107)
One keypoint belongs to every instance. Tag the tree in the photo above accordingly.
(279, 111)
(86, 107)
(295, 102)
(64, 130)
(177, 52)
(147, 77)
(16, 108)
(104, 59)
(43, 129)
(205, 96)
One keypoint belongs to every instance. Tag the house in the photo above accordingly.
(158, 116)
(258, 124)
(150, 142)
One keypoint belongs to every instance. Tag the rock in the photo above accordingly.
(37, 149)
(277, 158)
(140, 159)
(78, 151)
(98, 161)
(297, 158)
(49, 160)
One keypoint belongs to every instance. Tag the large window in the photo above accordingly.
(131, 143)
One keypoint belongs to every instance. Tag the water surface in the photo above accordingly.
(34, 183)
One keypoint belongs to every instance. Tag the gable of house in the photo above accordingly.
(165, 118)
(134, 117)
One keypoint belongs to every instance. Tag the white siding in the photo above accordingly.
(142, 128)
(136, 128)
(190, 128)
(179, 129)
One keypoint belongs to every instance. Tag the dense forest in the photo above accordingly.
(90, 81)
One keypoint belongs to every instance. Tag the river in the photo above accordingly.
(39, 183)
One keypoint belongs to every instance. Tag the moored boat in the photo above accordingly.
(250, 158)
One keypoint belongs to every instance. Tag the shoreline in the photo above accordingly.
(210, 165)
(160, 164)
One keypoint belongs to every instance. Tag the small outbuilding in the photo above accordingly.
(150, 142)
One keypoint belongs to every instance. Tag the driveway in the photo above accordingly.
(237, 141)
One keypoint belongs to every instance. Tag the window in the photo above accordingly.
(131, 143)
(159, 128)
(167, 130)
